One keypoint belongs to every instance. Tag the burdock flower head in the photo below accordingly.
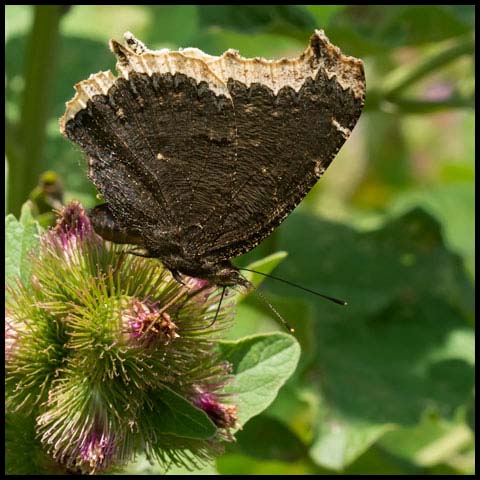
(106, 351)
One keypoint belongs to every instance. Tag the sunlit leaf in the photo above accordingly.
(21, 238)
(261, 365)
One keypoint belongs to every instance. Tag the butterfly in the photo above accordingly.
(198, 157)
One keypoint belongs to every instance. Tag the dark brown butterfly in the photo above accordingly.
(199, 157)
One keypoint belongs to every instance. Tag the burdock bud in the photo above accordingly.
(223, 415)
(11, 335)
(109, 347)
(73, 221)
(96, 452)
(145, 322)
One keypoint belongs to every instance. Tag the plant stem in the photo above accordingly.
(401, 79)
(406, 105)
(413, 105)
(27, 164)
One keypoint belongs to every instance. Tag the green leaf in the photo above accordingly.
(255, 316)
(404, 343)
(24, 453)
(18, 19)
(264, 265)
(239, 464)
(370, 270)
(387, 373)
(324, 13)
(363, 30)
(21, 238)
(261, 366)
(299, 315)
(287, 19)
(267, 438)
(180, 418)
(141, 466)
(454, 205)
(341, 441)
(251, 319)
(378, 461)
(297, 407)
(208, 469)
(429, 442)
(110, 23)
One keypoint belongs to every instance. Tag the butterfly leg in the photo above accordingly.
(216, 314)
(176, 275)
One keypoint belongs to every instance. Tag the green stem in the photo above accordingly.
(407, 105)
(26, 165)
(413, 105)
(401, 79)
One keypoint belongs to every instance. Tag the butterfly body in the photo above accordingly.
(174, 254)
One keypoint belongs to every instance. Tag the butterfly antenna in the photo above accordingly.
(332, 299)
(260, 294)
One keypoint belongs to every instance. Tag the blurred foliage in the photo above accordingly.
(384, 385)
(47, 197)
(22, 237)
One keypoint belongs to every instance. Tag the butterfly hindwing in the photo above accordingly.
(201, 157)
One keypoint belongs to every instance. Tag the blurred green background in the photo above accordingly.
(384, 385)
